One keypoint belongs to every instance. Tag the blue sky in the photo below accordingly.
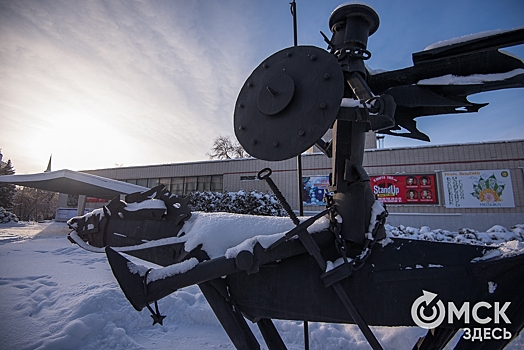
(100, 83)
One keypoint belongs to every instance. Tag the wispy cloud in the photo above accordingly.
(99, 79)
(99, 83)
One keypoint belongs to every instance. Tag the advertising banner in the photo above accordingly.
(395, 189)
(96, 200)
(314, 189)
(478, 189)
(405, 189)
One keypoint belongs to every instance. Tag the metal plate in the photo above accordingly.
(288, 102)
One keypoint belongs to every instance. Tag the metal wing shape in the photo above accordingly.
(442, 77)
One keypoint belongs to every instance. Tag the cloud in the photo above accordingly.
(98, 83)
(157, 77)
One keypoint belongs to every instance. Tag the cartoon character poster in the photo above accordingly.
(478, 189)
(314, 190)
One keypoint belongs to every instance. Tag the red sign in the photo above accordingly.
(405, 189)
(96, 200)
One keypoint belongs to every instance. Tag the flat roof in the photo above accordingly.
(73, 182)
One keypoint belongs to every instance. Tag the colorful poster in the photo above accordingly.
(405, 189)
(314, 189)
(96, 200)
(478, 189)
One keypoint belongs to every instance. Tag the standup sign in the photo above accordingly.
(405, 189)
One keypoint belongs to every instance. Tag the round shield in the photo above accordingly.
(288, 102)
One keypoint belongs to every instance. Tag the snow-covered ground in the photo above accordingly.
(54, 295)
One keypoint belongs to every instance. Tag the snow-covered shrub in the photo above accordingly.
(495, 235)
(6, 216)
(241, 202)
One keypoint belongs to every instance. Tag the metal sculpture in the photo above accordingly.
(285, 107)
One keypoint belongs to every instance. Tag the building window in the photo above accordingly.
(166, 181)
(204, 183)
(184, 185)
(190, 184)
(177, 185)
(248, 178)
(152, 183)
(217, 183)
(141, 182)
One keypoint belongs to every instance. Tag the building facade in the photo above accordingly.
(476, 185)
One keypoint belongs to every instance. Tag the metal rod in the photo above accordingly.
(299, 157)
(361, 323)
(300, 185)
(299, 164)
(265, 174)
(306, 335)
(294, 14)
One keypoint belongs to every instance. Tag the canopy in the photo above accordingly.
(73, 182)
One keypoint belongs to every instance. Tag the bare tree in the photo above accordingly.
(225, 148)
(34, 204)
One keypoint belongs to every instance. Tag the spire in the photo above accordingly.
(49, 164)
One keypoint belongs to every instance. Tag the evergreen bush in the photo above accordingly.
(241, 202)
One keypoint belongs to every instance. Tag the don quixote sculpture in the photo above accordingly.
(285, 107)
